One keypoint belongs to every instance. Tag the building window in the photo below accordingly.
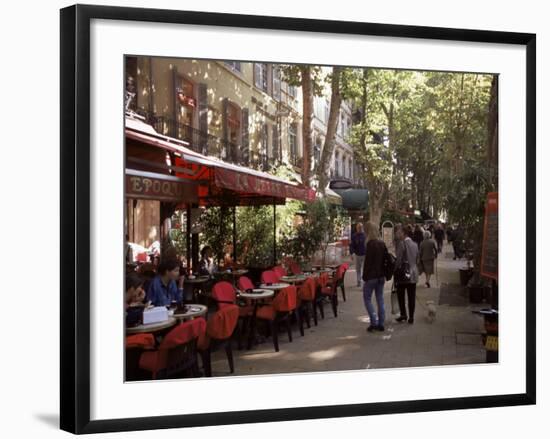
(317, 151)
(264, 148)
(260, 76)
(341, 125)
(234, 65)
(344, 169)
(337, 164)
(276, 83)
(292, 91)
(293, 143)
(131, 82)
(274, 143)
(327, 111)
(350, 169)
(233, 124)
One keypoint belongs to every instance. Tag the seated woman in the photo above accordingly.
(163, 289)
(228, 261)
(243, 254)
(206, 263)
(134, 290)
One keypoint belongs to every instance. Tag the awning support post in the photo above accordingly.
(274, 233)
(235, 234)
(188, 236)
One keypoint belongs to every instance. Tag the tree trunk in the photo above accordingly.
(492, 128)
(376, 209)
(332, 126)
(307, 124)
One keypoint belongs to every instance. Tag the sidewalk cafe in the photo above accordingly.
(228, 306)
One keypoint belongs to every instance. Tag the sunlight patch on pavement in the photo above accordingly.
(327, 354)
(266, 355)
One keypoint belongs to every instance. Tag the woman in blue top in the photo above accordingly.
(163, 289)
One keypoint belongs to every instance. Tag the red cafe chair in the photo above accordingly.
(307, 303)
(136, 344)
(328, 288)
(279, 271)
(225, 295)
(244, 283)
(177, 352)
(280, 309)
(294, 267)
(269, 277)
(219, 330)
(344, 267)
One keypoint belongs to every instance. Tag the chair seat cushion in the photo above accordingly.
(151, 360)
(327, 291)
(266, 312)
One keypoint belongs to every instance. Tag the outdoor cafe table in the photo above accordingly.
(152, 327)
(257, 295)
(196, 283)
(192, 310)
(331, 266)
(275, 287)
(295, 279)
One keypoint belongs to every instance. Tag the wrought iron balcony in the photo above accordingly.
(198, 140)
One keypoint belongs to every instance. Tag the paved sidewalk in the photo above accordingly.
(342, 343)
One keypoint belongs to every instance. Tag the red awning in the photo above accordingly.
(220, 181)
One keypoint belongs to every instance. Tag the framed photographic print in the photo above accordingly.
(274, 218)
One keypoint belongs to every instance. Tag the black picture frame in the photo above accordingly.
(75, 216)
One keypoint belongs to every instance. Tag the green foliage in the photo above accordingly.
(292, 75)
(217, 229)
(255, 231)
(321, 224)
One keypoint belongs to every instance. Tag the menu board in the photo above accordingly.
(489, 251)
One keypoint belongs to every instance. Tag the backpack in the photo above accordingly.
(389, 264)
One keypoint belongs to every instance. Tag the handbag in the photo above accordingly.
(403, 272)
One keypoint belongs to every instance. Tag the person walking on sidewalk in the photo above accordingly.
(373, 275)
(406, 250)
(418, 235)
(439, 235)
(357, 247)
(427, 255)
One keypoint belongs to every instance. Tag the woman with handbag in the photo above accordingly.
(406, 274)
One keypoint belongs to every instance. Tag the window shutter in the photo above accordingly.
(245, 148)
(203, 118)
(258, 75)
(225, 129)
(276, 84)
(275, 143)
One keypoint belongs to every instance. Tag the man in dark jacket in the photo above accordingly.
(418, 235)
(357, 248)
(373, 275)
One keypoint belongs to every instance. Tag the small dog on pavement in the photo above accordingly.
(430, 306)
